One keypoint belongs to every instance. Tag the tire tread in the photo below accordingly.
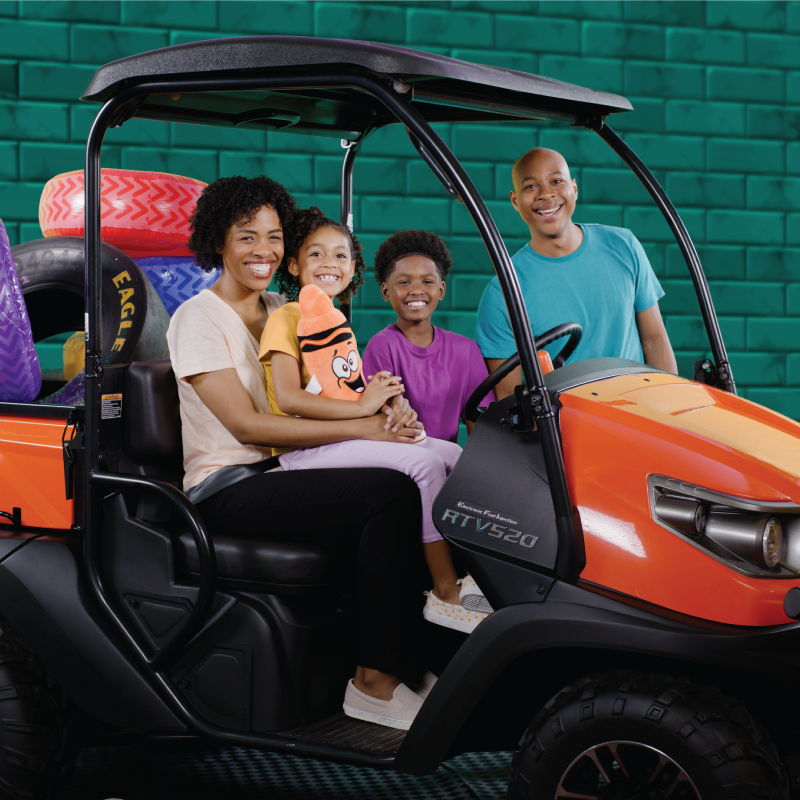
(704, 724)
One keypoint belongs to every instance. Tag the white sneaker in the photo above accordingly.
(451, 616)
(472, 597)
(399, 712)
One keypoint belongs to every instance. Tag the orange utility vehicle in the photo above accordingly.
(638, 534)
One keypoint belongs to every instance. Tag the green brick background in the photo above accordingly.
(716, 91)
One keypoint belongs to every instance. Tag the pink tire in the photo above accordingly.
(144, 214)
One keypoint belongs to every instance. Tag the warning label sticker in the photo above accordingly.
(111, 407)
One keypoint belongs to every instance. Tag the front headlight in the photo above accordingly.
(753, 537)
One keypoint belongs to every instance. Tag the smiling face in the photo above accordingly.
(544, 193)
(324, 260)
(253, 250)
(414, 288)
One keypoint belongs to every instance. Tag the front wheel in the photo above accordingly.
(630, 736)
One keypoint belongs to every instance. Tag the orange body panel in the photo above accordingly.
(618, 431)
(32, 472)
(545, 362)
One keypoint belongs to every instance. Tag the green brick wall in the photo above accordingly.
(716, 91)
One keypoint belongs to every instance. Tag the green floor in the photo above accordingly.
(225, 773)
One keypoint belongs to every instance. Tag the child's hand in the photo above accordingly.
(380, 390)
(375, 429)
(400, 415)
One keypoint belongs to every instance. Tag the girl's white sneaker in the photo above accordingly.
(451, 616)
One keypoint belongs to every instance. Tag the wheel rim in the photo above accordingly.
(625, 771)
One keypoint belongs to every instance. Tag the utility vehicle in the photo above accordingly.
(637, 533)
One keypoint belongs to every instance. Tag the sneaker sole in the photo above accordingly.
(449, 622)
(476, 602)
(377, 719)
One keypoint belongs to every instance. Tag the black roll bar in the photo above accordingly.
(637, 166)
(168, 654)
(435, 168)
(350, 153)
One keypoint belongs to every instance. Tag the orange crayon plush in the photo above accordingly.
(328, 347)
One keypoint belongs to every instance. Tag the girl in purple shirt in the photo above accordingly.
(440, 369)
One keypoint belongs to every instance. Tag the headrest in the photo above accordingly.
(152, 412)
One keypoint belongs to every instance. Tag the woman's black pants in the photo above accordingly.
(377, 510)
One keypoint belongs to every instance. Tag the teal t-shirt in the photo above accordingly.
(601, 286)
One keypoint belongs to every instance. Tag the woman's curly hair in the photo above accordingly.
(306, 221)
(227, 202)
(412, 243)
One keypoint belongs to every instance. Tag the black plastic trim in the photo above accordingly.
(42, 596)
(36, 410)
(580, 373)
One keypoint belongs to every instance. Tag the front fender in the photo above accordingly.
(575, 617)
(43, 598)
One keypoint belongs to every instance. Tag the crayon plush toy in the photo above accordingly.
(328, 347)
(329, 350)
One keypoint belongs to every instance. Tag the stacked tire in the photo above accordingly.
(51, 274)
(145, 218)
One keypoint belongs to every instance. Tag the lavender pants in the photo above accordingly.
(427, 463)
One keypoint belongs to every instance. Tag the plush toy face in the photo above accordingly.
(328, 347)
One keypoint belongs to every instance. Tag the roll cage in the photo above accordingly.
(345, 90)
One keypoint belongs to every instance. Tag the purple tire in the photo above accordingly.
(20, 375)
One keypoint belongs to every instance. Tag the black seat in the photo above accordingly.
(152, 441)
(271, 567)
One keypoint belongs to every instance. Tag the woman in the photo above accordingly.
(228, 432)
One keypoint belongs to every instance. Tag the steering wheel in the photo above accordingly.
(572, 329)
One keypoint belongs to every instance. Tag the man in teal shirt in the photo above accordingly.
(595, 275)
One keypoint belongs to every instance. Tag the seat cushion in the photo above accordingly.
(274, 567)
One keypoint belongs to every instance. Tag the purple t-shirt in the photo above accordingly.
(439, 379)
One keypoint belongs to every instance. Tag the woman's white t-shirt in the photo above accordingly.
(205, 335)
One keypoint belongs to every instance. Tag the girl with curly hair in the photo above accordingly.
(228, 431)
(325, 259)
(441, 369)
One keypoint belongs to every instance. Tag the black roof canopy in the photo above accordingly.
(443, 89)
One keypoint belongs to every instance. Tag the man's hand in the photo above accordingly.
(655, 341)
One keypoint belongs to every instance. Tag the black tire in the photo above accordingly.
(51, 274)
(39, 741)
(711, 738)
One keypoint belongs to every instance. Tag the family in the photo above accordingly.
(273, 446)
